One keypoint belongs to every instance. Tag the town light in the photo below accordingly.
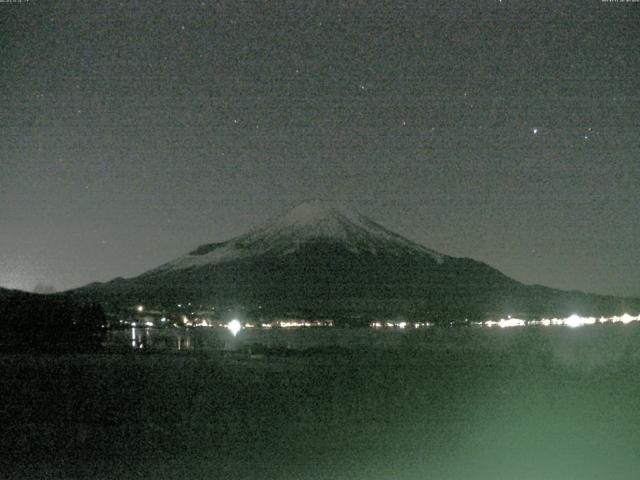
(234, 326)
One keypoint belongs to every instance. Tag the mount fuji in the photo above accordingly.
(326, 262)
(305, 225)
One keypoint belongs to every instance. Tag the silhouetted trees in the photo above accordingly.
(27, 318)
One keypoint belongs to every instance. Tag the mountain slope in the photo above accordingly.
(305, 224)
(325, 262)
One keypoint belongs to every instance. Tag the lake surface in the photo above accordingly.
(180, 339)
(459, 403)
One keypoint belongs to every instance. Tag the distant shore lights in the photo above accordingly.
(572, 321)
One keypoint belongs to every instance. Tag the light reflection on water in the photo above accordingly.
(147, 338)
(603, 338)
(199, 339)
(192, 339)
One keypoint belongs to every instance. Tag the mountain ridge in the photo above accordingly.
(320, 262)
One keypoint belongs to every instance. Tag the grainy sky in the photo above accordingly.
(506, 131)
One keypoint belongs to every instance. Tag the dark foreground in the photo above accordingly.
(443, 404)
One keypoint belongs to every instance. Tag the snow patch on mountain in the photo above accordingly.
(307, 223)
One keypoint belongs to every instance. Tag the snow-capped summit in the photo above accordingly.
(305, 224)
(310, 221)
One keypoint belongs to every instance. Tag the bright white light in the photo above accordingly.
(573, 321)
(511, 322)
(234, 326)
(149, 324)
(626, 318)
(140, 308)
(578, 321)
(535, 131)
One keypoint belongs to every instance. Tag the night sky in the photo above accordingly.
(505, 131)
